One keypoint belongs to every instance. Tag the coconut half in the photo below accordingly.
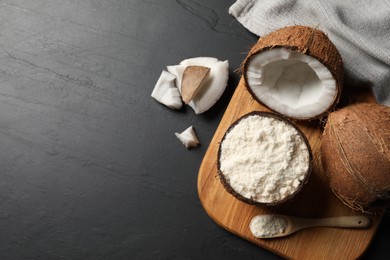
(264, 159)
(295, 71)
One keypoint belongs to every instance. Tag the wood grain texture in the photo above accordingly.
(314, 200)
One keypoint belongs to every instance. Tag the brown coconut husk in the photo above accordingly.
(226, 183)
(355, 152)
(193, 77)
(309, 41)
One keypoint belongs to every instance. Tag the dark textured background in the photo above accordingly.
(90, 166)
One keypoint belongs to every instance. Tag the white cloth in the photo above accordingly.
(360, 29)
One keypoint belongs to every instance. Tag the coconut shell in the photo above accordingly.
(355, 153)
(307, 40)
(193, 77)
(226, 183)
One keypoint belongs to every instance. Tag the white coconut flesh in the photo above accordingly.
(199, 61)
(291, 83)
(213, 86)
(166, 92)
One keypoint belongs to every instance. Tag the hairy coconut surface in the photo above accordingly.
(295, 71)
(355, 153)
(261, 153)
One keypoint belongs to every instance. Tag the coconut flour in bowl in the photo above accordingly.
(263, 158)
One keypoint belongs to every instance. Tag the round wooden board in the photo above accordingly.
(315, 200)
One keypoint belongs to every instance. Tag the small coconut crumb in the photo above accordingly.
(188, 138)
(296, 183)
(166, 92)
(267, 226)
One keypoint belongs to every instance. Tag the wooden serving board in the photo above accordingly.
(314, 200)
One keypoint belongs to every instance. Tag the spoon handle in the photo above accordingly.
(345, 221)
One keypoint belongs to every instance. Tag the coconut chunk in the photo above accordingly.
(166, 92)
(295, 71)
(213, 86)
(177, 71)
(216, 84)
(188, 138)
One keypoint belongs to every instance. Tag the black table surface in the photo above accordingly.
(90, 165)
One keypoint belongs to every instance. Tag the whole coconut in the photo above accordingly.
(355, 153)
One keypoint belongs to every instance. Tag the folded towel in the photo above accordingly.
(360, 29)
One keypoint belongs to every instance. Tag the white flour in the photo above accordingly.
(264, 159)
(267, 225)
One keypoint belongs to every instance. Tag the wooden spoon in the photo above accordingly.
(274, 225)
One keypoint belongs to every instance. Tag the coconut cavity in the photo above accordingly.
(294, 84)
(263, 159)
(295, 71)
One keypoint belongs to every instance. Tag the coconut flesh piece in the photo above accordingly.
(188, 138)
(199, 61)
(212, 86)
(295, 71)
(166, 92)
